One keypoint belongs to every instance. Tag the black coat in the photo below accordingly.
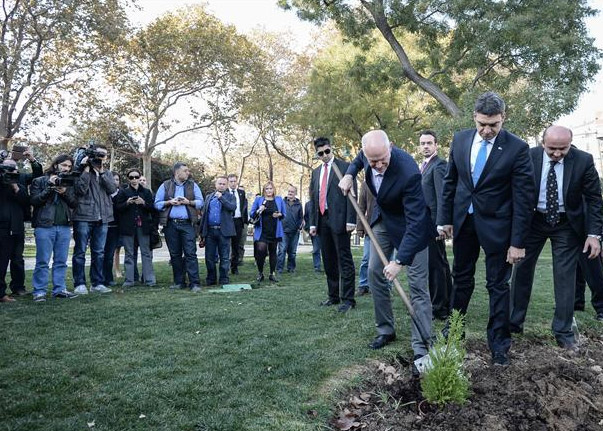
(502, 198)
(13, 207)
(129, 212)
(432, 182)
(399, 203)
(341, 210)
(581, 190)
(42, 199)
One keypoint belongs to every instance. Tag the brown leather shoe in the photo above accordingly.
(7, 298)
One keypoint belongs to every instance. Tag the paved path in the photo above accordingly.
(163, 255)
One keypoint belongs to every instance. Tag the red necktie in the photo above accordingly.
(322, 197)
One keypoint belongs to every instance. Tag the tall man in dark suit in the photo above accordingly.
(567, 182)
(217, 229)
(241, 217)
(333, 217)
(400, 220)
(433, 170)
(487, 202)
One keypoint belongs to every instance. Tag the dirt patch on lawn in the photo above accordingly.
(544, 388)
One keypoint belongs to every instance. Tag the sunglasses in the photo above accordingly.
(321, 153)
(134, 177)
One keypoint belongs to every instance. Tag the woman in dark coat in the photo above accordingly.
(135, 206)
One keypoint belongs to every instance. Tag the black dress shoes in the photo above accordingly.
(329, 302)
(363, 291)
(343, 308)
(381, 341)
(273, 278)
(260, 277)
(500, 359)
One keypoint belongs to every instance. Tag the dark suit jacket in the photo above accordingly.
(341, 210)
(432, 182)
(399, 203)
(581, 190)
(502, 198)
(229, 204)
(244, 205)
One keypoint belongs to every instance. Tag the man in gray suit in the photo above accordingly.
(217, 229)
(433, 170)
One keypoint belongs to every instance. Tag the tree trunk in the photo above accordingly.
(147, 165)
(375, 8)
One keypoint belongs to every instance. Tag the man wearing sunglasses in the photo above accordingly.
(333, 218)
(94, 211)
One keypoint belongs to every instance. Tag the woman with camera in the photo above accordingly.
(266, 214)
(135, 205)
(53, 200)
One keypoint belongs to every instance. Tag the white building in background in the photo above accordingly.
(589, 137)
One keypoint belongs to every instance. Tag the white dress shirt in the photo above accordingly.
(543, 177)
(237, 213)
(477, 143)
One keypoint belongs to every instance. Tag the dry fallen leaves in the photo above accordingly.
(347, 420)
(391, 375)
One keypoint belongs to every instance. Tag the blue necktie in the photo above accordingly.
(478, 168)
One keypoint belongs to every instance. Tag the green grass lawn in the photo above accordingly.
(254, 360)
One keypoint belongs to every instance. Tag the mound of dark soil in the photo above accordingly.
(544, 388)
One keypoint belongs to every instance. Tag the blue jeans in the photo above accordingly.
(288, 246)
(180, 239)
(96, 233)
(363, 273)
(315, 251)
(216, 243)
(51, 241)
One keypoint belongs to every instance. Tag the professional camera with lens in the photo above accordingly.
(95, 157)
(8, 174)
(66, 179)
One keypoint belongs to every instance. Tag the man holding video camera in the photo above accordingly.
(15, 203)
(91, 217)
(53, 199)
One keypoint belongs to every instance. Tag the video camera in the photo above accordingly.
(66, 179)
(8, 174)
(94, 157)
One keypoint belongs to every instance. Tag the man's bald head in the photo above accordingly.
(557, 141)
(377, 149)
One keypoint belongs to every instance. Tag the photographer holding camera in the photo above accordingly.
(91, 217)
(15, 204)
(53, 199)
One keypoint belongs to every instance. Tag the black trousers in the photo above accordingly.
(440, 281)
(11, 251)
(235, 252)
(337, 261)
(589, 271)
(17, 266)
(498, 272)
(566, 247)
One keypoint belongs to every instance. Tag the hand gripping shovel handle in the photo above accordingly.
(385, 261)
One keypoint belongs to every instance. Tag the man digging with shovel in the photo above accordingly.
(399, 221)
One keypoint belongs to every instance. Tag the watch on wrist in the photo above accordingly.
(594, 236)
(398, 262)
